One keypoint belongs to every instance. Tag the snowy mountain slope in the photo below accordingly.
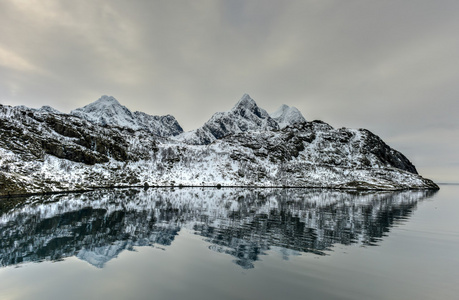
(107, 111)
(43, 151)
(48, 109)
(33, 133)
(29, 137)
(244, 116)
(287, 115)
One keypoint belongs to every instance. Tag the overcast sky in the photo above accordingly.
(389, 66)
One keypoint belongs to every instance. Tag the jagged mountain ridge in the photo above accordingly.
(244, 116)
(107, 111)
(41, 151)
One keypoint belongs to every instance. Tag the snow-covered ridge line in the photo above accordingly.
(44, 151)
(107, 111)
(244, 116)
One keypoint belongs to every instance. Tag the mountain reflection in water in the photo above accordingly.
(97, 226)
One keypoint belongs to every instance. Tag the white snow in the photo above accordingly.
(287, 115)
(108, 111)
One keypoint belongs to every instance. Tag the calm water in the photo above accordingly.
(231, 244)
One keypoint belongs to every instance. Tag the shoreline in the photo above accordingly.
(218, 186)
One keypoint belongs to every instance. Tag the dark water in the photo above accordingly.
(231, 244)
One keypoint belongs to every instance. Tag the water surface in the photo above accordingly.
(231, 244)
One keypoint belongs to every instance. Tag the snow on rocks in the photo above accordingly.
(244, 116)
(44, 151)
(107, 111)
(287, 115)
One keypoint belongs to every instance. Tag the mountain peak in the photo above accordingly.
(108, 111)
(102, 105)
(107, 100)
(245, 102)
(247, 108)
(49, 109)
(246, 98)
(283, 108)
(287, 115)
(244, 116)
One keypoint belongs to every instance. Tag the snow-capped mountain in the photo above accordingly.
(48, 109)
(287, 115)
(244, 116)
(107, 111)
(43, 151)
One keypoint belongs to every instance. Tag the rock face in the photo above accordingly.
(43, 150)
(107, 111)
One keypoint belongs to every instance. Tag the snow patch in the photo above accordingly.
(286, 116)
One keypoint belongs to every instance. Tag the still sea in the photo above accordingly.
(195, 243)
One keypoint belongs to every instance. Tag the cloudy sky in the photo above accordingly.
(389, 66)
